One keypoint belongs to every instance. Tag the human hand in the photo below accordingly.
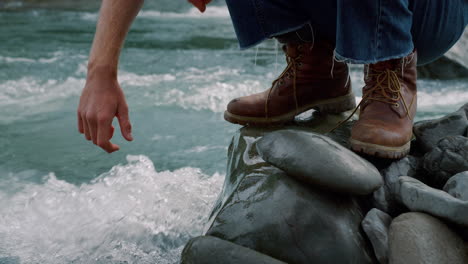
(200, 4)
(103, 99)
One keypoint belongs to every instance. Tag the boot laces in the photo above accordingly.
(387, 89)
(289, 72)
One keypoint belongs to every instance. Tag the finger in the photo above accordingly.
(104, 134)
(92, 129)
(86, 128)
(199, 4)
(124, 123)
(80, 123)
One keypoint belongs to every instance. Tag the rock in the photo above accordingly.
(419, 197)
(457, 186)
(443, 68)
(264, 209)
(212, 250)
(384, 197)
(448, 158)
(458, 51)
(319, 161)
(418, 238)
(376, 224)
(430, 132)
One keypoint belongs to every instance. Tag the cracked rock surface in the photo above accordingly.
(448, 158)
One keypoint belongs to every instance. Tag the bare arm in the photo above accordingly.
(102, 98)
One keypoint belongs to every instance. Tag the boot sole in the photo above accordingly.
(379, 150)
(330, 106)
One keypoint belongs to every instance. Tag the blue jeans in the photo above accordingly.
(363, 31)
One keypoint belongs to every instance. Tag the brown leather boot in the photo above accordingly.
(388, 106)
(312, 79)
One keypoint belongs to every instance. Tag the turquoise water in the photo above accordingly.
(62, 200)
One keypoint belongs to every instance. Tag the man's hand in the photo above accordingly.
(102, 100)
(200, 4)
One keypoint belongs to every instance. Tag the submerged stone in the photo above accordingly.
(264, 209)
(319, 161)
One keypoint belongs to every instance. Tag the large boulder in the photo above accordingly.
(212, 250)
(454, 64)
(264, 209)
(319, 161)
(430, 132)
(448, 158)
(457, 186)
(458, 51)
(418, 238)
(444, 68)
(417, 196)
(376, 225)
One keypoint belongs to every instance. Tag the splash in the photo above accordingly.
(131, 213)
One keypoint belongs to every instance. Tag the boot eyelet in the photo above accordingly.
(396, 105)
(299, 47)
(299, 64)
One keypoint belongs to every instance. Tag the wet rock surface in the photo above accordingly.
(376, 225)
(430, 132)
(320, 161)
(212, 250)
(457, 186)
(298, 196)
(448, 158)
(264, 209)
(419, 238)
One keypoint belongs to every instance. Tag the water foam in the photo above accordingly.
(192, 13)
(130, 214)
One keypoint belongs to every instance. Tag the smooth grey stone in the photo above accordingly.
(376, 225)
(213, 250)
(419, 238)
(447, 159)
(417, 196)
(319, 161)
(457, 186)
(384, 197)
(429, 132)
(263, 208)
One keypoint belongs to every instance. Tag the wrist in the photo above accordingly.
(101, 71)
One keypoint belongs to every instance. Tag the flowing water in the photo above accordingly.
(62, 200)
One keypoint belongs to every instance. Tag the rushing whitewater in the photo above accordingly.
(131, 213)
(62, 200)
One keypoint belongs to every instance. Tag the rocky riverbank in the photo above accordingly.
(297, 195)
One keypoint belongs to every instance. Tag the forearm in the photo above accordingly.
(115, 18)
